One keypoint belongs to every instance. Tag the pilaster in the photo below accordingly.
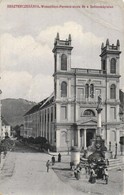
(85, 146)
(78, 136)
(57, 89)
(57, 139)
(69, 112)
(69, 88)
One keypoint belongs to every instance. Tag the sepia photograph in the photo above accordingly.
(61, 97)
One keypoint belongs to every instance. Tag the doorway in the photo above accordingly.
(89, 136)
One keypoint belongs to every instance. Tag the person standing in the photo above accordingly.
(53, 160)
(59, 157)
(48, 165)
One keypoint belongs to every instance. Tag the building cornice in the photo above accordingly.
(110, 52)
(101, 75)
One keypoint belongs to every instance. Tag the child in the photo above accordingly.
(48, 165)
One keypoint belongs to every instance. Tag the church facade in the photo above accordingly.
(69, 117)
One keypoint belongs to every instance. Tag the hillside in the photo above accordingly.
(14, 109)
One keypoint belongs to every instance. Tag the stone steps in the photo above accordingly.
(116, 164)
(113, 163)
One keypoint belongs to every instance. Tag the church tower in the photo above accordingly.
(110, 55)
(62, 54)
(62, 89)
(62, 68)
(110, 66)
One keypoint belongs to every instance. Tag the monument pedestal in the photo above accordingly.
(75, 155)
(108, 155)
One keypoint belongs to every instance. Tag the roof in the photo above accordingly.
(4, 121)
(44, 103)
(48, 101)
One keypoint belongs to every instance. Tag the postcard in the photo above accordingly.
(61, 97)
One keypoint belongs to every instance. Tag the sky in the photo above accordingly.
(27, 39)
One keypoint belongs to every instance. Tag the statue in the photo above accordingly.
(99, 106)
(99, 100)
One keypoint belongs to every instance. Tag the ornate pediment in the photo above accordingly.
(87, 122)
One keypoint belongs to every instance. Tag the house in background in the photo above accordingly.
(69, 117)
(6, 128)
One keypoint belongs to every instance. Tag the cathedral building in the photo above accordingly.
(69, 117)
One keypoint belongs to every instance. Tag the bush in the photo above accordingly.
(24, 139)
(40, 140)
(31, 140)
(6, 144)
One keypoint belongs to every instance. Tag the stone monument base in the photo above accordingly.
(75, 155)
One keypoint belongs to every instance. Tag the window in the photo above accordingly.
(63, 112)
(55, 136)
(55, 111)
(113, 134)
(113, 66)
(55, 88)
(113, 91)
(55, 59)
(48, 117)
(63, 89)
(104, 66)
(51, 114)
(92, 91)
(80, 94)
(87, 90)
(89, 113)
(45, 116)
(113, 113)
(63, 62)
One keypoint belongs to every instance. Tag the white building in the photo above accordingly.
(68, 117)
(6, 128)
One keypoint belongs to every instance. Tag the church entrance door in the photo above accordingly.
(89, 136)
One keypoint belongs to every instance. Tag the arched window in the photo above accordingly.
(63, 62)
(114, 136)
(87, 90)
(113, 66)
(92, 91)
(63, 89)
(113, 91)
(55, 60)
(89, 112)
(104, 66)
(55, 89)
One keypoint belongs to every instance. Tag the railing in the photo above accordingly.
(87, 71)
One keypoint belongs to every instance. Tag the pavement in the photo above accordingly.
(24, 173)
(115, 185)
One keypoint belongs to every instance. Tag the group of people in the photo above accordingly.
(98, 171)
(48, 163)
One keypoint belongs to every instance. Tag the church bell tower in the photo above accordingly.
(62, 65)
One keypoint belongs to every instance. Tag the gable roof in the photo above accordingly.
(48, 101)
(35, 108)
(44, 103)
